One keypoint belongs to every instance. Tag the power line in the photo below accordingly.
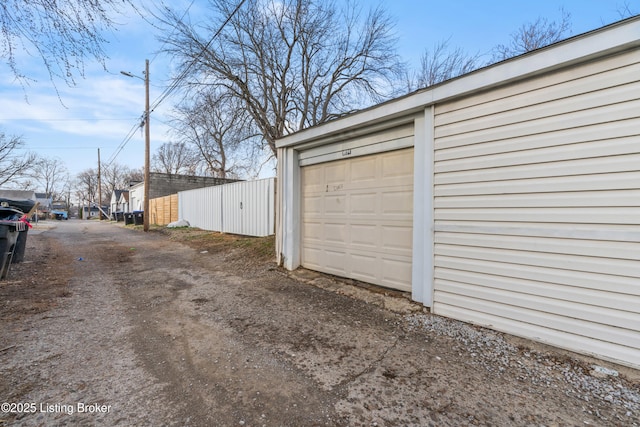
(124, 142)
(172, 31)
(176, 82)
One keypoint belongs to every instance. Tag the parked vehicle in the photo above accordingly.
(59, 215)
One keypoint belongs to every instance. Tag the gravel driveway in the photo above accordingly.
(107, 325)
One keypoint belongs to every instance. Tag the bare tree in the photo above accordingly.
(534, 35)
(63, 34)
(625, 11)
(51, 175)
(175, 158)
(440, 64)
(220, 129)
(14, 163)
(87, 185)
(443, 63)
(116, 176)
(292, 63)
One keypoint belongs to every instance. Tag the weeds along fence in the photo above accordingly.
(245, 207)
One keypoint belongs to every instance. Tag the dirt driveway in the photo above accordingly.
(107, 325)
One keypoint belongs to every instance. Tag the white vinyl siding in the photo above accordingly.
(537, 208)
(357, 216)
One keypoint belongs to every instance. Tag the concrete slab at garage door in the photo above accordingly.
(357, 217)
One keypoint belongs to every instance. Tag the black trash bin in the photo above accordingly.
(10, 216)
(128, 218)
(9, 231)
(119, 216)
(21, 245)
(138, 217)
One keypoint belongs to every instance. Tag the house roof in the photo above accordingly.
(617, 37)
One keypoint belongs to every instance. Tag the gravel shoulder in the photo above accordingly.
(107, 325)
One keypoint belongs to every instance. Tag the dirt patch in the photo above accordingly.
(190, 328)
(245, 254)
(34, 286)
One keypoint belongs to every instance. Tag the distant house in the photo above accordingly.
(93, 212)
(162, 184)
(45, 205)
(123, 201)
(119, 198)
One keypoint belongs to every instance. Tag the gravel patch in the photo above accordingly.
(490, 351)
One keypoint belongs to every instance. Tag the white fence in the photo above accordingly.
(246, 207)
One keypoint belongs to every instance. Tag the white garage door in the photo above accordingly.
(357, 217)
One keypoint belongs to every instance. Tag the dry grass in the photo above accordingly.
(257, 248)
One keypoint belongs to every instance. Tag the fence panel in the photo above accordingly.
(246, 207)
(163, 210)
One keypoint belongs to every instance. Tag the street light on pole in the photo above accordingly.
(147, 138)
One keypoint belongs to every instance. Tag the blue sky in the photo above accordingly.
(105, 106)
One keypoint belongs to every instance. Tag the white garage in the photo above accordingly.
(508, 197)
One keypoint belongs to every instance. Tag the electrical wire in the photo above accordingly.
(124, 142)
(178, 80)
(172, 31)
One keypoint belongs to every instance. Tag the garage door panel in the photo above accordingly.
(363, 170)
(313, 231)
(364, 204)
(335, 204)
(336, 262)
(314, 181)
(397, 203)
(365, 236)
(398, 237)
(398, 166)
(364, 267)
(397, 272)
(335, 233)
(335, 173)
(313, 257)
(358, 218)
(312, 206)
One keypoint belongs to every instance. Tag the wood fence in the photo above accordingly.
(164, 210)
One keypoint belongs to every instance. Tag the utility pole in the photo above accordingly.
(147, 117)
(147, 175)
(99, 188)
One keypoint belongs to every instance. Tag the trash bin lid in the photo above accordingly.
(10, 214)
